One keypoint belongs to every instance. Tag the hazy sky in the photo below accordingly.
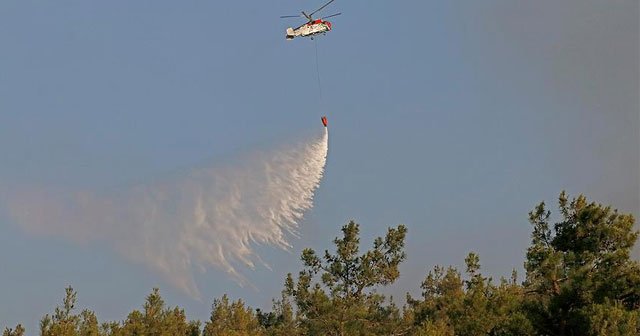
(452, 117)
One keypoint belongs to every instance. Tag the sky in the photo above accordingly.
(454, 118)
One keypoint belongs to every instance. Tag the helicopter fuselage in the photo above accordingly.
(309, 29)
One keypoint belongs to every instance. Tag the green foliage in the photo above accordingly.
(88, 324)
(64, 323)
(111, 329)
(134, 324)
(431, 328)
(343, 300)
(155, 320)
(582, 264)
(18, 331)
(282, 321)
(232, 319)
(611, 320)
(580, 280)
(451, 305)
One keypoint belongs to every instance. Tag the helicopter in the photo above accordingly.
(312, 26)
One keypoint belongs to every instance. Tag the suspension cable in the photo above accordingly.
(315, 42)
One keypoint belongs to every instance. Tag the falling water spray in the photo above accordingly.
(207, 217)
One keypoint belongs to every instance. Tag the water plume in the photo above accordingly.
(210, 216)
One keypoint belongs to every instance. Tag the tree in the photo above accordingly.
(232, 319)
(580, 280)
(88, 324)
(282, 320)
(612, 320)
(111, 329)
(475, 306)
(580, 267)
(154, 315)
(62, 323)
(431, 328)
(134, 324)
(18, 331)
(155, 320)
(344, 301)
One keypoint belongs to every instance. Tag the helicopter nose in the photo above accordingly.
(328, 25)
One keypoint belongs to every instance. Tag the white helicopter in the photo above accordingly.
(312, 27)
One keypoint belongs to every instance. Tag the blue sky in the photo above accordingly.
(452, 117)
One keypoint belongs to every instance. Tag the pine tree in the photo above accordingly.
(18, 331)
(343, 301)
(582, 267)
(232, 319)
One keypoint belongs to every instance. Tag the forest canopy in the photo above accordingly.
(580, 280)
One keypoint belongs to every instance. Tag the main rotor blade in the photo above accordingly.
(321, 8)
(289, 16)
(326, 17)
